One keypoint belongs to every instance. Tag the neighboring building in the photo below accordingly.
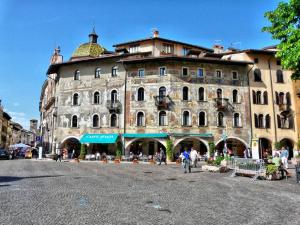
(16, 132)
(174, 90)
(273, 101)
(5, 130)
(48, 106)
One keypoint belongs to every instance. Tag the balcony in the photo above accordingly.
(114, 106)
(222, 104)
(163, 102)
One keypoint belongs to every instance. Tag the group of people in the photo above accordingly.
(282, 156)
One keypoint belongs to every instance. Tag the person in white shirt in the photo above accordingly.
(193, 156)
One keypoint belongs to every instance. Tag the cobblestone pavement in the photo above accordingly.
(48, 192)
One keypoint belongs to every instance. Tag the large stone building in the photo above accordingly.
(5, 129)
(152, 90)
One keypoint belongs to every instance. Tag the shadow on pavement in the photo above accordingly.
(12, 178)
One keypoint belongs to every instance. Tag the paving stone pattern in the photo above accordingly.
(48, 192)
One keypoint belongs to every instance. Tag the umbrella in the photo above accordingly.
(20, 145)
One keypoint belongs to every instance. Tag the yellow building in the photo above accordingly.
(272, 101)
(5, 130)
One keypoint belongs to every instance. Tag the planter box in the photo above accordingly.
(211, 168)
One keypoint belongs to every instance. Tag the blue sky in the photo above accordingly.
(31, 29)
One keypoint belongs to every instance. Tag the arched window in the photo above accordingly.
(201, 94)
(288, 98)
(260, 121)
(219, 93)
(140, 96)
(162, 118)
(202, 120)
(254, 97)
(220, 122)
(278, 121)
(186, 118)
(114, 71)
(75, 99)
(74, 121)
(256, 120)
(113, 120)
(162, 92)
(95, 121)
(185, 93)
(258, 97)
(268, 121)
(279, 76)
(96, 97)
(114, 96)
(77, 75)
(236, 120)
(97, 73)
(235, 96)
(257, 75)
(140, 119)
(281, 98)
(265, 97)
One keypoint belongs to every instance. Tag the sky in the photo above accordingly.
(30, 30)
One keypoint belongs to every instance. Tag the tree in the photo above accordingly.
(169, 150)
(285, 27)
(82, 151)
(212, 148)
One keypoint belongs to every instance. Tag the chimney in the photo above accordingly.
(218, 48)
(155, 33)
(56, 57)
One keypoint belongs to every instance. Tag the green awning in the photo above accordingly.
(191, 135)
(99, 138)
(146, 135)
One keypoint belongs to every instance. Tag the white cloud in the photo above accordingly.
(21, 118)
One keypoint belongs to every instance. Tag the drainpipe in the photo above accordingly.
(274, 118)
(249, 94)
(125, 111)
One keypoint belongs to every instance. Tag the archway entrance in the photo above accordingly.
(234, 144)
(188, 143)
(265, 147)
(289, 145)
(146, 146)
(69, 145)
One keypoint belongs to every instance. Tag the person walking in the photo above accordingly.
(186, 161)
(194, 157)
(59, 153)
(163, 156)
(284, 155)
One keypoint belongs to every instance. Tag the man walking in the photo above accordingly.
(58, 155)
(194, 157)
(284, 155)
(186, 160)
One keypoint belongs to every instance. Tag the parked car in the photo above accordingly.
(4, 154)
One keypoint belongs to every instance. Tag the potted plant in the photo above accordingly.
(271, 172)
(212, 148)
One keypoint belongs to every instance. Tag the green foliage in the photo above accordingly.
(82, 151)
(218, 160)
(278, 145)
(169, 150)
(119, 150)
(271, 169)
(285, 27)
(212, 148)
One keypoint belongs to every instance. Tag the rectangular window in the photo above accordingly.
(134, 49)
(255, 60)
(185, 51)
(162, 71)
(185, 71)
(200, 72)
(167, 48)
(235, 75)
(141, 72)
(114, 71)
(219, 74)
(278, 62)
